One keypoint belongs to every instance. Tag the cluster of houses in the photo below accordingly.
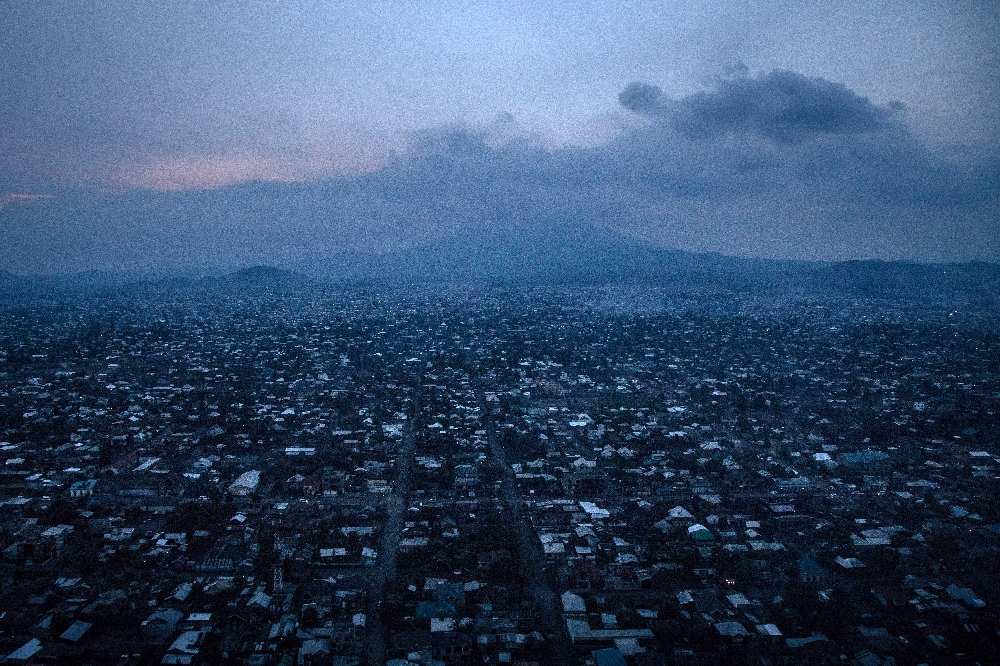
(342, 476)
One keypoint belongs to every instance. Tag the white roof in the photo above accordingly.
(76, 631)
(442, 624)
(628, 646)
(573, 603)
(247, 482)
(594, 511)
(732, 629)
(768, 630)
(186, 642)
(26, 651)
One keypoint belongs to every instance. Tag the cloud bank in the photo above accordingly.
(773, 165)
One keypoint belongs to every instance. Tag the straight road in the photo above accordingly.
(530, 553)
(384, 570)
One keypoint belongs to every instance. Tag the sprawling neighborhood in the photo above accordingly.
(347, 476)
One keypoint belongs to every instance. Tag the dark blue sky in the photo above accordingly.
(864, 129)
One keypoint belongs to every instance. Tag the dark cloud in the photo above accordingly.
(782, 131)
(643, 99)
(780, 105)
(774, 165)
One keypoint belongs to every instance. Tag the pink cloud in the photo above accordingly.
(197, 173)
(171, 174)
(10, 199)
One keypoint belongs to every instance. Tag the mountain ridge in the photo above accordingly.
(561, 252)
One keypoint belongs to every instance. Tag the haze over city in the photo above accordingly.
(451, 333)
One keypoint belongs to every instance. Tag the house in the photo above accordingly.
(159, 626)
(246, 484)
(699, 532)
(451, 647)
(573, 603)
(676, 516)
(75, 631)
(580, 633)
(810, 571)
(312, 484)
(183, 648)
(26, 651)
(82, 488)
(314, 651)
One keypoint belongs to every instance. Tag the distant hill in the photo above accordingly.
(524, 255)
(583, 254)
(889, 279)
(563, 252)
(16, 288)
(260, 276)
(560, 253)
(8, 279)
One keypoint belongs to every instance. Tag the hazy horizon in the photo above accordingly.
(169, 138)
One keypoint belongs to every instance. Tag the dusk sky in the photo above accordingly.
(810, 129)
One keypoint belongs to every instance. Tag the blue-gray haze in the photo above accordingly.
(166, 135)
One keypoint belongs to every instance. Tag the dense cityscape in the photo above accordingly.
(289, 473)
(444, 333)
